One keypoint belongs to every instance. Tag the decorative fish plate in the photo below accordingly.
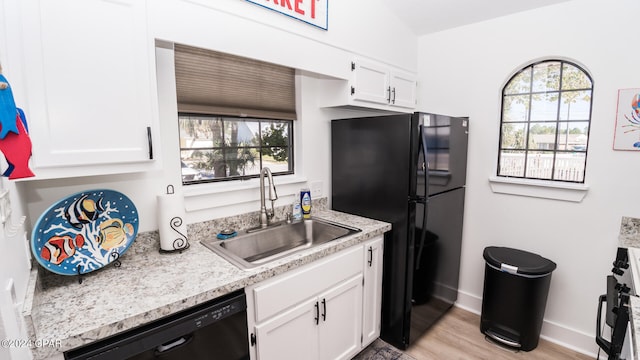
(84, 232)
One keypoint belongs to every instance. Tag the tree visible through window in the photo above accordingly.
(222, 148)
(544, 129)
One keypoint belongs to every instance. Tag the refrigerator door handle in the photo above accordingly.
(423, 233)
(422, 144)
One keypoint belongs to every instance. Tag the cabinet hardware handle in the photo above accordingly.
(353, 90)
(324, 309)
(389, 94)
(317, 318)
(150, 142)
(353, 66)
(394, 96)
(253, 339)
(370, 255)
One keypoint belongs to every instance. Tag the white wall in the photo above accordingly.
(357, 26)
(462, 72)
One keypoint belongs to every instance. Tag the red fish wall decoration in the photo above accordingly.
(15, 143)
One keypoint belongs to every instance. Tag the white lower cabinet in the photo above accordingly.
(341, 320)
(372, 299)
(317, 312)
(325, 327)
(292, 335)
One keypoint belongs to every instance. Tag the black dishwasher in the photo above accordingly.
(215, 330)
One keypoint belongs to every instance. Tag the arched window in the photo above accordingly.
(545, 122)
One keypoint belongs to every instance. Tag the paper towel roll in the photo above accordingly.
(171, 222)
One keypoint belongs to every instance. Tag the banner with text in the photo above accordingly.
(314, 12)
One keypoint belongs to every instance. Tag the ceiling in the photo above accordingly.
(428, 16)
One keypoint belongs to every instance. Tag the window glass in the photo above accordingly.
(539, 164)
(574, 78)
(572, 135)
(544, 131)
(515, 108)
(513, 136)
(575, 105)
(544, 106)
(542, 135)
(214, 148)
(512, 163)
(520, 84)
(546, 76)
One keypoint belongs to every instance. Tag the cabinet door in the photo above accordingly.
(370, 82)
(88, 76)
(292, 335)
(403, 89)
(341, 320)
(372, 301)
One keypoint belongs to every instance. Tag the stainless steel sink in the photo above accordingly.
(278, 240)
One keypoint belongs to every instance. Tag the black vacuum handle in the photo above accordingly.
(604, 344)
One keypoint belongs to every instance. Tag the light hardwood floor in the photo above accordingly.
(457, 336)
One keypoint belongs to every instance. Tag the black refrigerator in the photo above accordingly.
(379, 171)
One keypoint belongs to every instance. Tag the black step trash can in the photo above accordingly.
(516, 285)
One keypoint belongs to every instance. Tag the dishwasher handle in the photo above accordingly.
(174, 344)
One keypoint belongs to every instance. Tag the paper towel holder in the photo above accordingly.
(181, 242)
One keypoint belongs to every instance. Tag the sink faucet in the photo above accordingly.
(265, 215)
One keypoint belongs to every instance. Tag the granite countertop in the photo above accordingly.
(150, 285)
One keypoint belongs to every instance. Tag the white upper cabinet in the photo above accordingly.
(372, 85)
(370, 82)
(88, 71)
(403, 89)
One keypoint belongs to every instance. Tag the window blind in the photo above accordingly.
(211, 82)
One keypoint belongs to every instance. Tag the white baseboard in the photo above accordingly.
(469, 302)
(556, 333)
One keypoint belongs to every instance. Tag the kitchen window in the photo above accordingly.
(545, 122)
(235, 114)
(214, 148)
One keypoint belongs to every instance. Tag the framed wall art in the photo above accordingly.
(313, 12)
(627, 132)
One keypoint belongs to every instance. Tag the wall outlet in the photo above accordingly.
(316, 189)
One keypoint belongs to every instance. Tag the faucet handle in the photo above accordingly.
(289, 216)
(271, 213)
